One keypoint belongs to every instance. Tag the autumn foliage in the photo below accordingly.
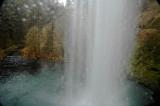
(2, 54)
(45, 43)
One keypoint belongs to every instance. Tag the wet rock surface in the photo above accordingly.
(146, 65)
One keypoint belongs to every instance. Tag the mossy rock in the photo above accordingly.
(146, 77)
(145, 34)
(154, 23)
(150, 13)
(146, 60)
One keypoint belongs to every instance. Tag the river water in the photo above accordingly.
(47, 89)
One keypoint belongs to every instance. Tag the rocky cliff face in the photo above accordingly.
(150, 13)
(146, 60)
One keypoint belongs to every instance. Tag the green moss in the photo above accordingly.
(146, 61)
(146, 76)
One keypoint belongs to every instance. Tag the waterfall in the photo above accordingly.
(98, 48)
(98, 41)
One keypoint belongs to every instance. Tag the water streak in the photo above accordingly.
(100, 43)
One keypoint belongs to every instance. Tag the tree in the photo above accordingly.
(2, 54)
(51, 43)
(32, 43)
(11, 28)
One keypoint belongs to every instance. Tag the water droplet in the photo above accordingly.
(40, 3)
(52, 12)
(34, 5)
(26, 6)
(18, 9)
(24, 19)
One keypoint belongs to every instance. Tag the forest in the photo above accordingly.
(33, 31)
